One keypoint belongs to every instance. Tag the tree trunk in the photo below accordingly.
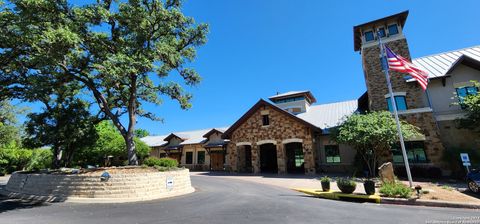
(132, 155)
(57, 160)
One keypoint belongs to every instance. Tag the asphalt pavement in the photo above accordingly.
(222, 200)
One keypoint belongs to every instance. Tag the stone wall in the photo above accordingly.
(120, 187)
(282, 127)
(377, 88)
(376, 81)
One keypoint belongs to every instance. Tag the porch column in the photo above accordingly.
(281, 159)
(309, 157)
(256, 158)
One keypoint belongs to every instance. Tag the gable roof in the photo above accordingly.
(329, 115)
(255, 107)
(440, 65)
(214, 130)
(189, 137)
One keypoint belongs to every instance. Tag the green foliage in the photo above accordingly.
(471, 105)
(9, 132)
(123, 65)
(14, 158)
(346, 182)
(162, 162)
(395, 190)
(140, 133)
(66, 125)
(371, 134)
(109, 143)
(346, 185)
(325, 179)
(41, 159)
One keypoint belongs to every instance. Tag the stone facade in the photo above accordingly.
(282, 129)
(415, 97)
(121, 187)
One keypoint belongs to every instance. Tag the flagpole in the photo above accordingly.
(394, 107)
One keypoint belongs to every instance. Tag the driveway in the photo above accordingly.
(229, 200)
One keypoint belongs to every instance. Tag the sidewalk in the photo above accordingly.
(281, 180)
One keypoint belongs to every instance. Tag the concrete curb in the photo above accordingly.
(385, 200)
(52, 199)
(430, 203)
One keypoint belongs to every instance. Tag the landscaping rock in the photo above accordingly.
(386, 172)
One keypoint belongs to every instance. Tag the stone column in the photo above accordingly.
(309, 157)
(256, 158)
(232, 156)
(281, 159)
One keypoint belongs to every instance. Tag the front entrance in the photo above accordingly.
(268, 158)
(216, 160)
(295, 160)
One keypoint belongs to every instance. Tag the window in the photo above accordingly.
(415, 152)
(332, 154)
(392, 29)
(291, 99)
(265, 120)
(299, 157)
(201, 157)
(381, 32)
(163, 155)
(400, 101)
(369, 36)
(465, 91)
(189, 158)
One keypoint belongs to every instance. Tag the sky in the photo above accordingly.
(257, 48)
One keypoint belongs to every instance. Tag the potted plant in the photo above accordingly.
(346, 185)
(369, 186)
(325, 183)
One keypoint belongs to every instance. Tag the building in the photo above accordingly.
(196, 150)
(289, 132)
(434, 110)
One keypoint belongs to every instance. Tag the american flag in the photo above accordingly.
(400, 64)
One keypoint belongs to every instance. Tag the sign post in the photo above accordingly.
(465, 160)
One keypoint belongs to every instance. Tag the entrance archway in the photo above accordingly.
(295, 158)
(268, 158)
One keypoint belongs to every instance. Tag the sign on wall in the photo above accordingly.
(169, 183)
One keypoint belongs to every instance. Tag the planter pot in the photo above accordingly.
(325, 186)
(347, 189)
(369, 186)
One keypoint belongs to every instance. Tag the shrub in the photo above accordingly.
(162, 162)
(396, 190)
(13, 159)
(346, 185)
(325, 179)
(41, 159)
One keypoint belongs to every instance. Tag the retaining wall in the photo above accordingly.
(90, 188)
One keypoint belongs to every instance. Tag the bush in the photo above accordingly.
(41, 159)
(325, 179)
(396, 190)
(162, 162)
(346, 185)
(13, 159)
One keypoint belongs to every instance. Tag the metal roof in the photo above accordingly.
(439, 65)
(191, 137)
(329, 115)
